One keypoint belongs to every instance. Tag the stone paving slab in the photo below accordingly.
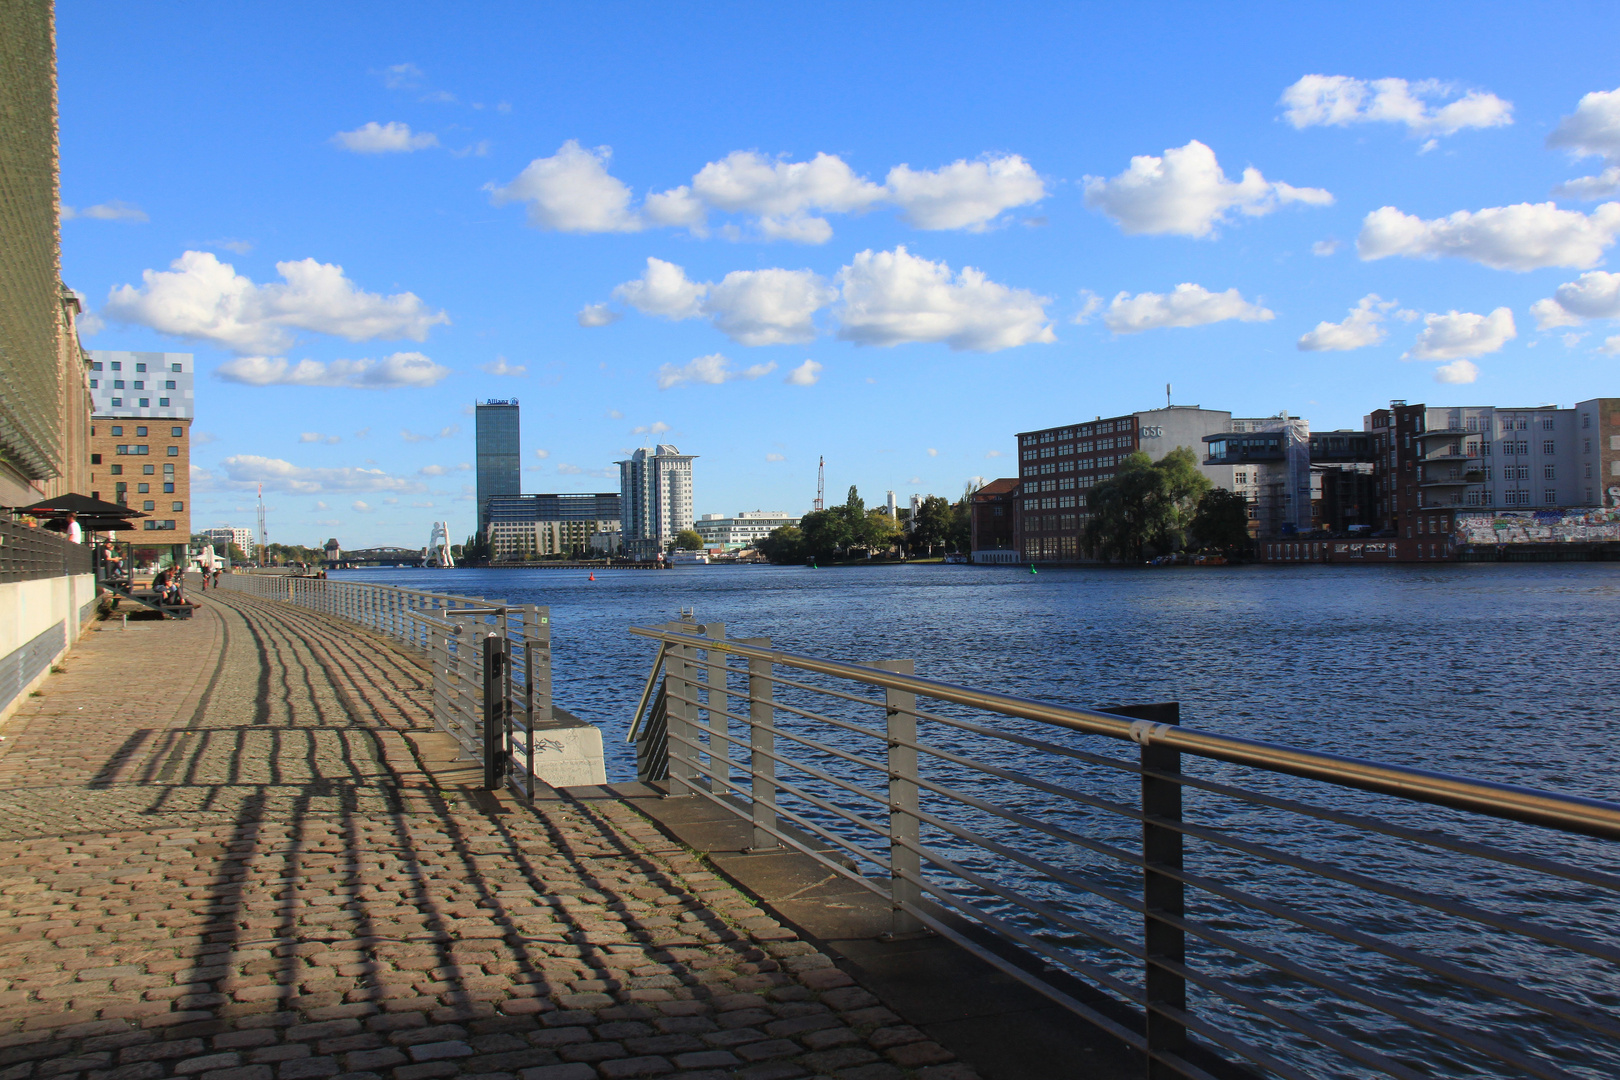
(224, 854)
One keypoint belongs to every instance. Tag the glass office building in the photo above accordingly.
(499, 453)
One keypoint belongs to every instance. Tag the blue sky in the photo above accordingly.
(892, 235)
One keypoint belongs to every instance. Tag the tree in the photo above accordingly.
(476, 549)
(825, 533)
(1145, 504)
(878, 531)
(934, 526)
(784, 545)
(1221, 521)
(689, 540)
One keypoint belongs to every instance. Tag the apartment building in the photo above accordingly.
(655, 499)
(140, 441)
(242, 538)
(1295, 480)
(745, 529)
(564, 523)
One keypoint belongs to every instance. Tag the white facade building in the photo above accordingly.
(242, 538)
(143, 385)
(744, 530)
(655, 499)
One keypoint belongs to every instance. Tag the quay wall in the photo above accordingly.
(39, 620)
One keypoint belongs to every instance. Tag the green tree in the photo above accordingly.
(784, 545)
(689, 540)
(1221, 521)
(825, 533)
(935, 525)
(476, 549)
(878, 531)
(1145, 504)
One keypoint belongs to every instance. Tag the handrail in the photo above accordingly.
(1512, 802)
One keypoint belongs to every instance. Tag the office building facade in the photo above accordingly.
(745, 529)
(534, 526)
(499, 452)
(140, 441)
(655, 498)
(242, 538)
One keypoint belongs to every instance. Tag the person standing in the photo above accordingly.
(74, 532)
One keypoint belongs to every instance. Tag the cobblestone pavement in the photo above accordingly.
(221, 858)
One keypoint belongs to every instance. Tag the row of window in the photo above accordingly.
(1034, 453)
(140, 450)
(1051, 547)
(154, 525)
(142, 489)
(117, 365)
(139, 384)
(1083, 431)
(117, 431)
(141, 403)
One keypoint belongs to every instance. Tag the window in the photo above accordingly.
(1546, 423)
(1589, 474)
(117, 470)
(118, 384)
(148, 505)
(95, 459)
(93, 383)
(143, 489)
(115, 430)
(168, 468)
(1550, 496)
(146, 403)
(163, 403)
(177, 506)
(96, 366)
(177, 432)
(140, 385)
(168, 384)
(148, 469)
(168, 489)
(140, 367)
(153, 525)
(173, 451)
(1473, 423)
(1547, 472)
(174, 367)
(116, 366)
(1547, 447)
(140, 433)
(117, 402)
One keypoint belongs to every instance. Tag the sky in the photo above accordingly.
(890, 235)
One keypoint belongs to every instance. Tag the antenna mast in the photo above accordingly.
(1167, 395)
(821, 482)
(264, 537)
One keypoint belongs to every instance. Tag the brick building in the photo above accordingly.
(993, 522)
(140, 444)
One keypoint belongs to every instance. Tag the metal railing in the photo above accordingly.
(1215, 903)
(491, 661)
(28, 553)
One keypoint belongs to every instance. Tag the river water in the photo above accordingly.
(1505, 672)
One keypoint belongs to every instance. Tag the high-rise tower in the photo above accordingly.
(655, 499)
(499, 453)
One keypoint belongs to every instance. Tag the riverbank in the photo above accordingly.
(234, 847)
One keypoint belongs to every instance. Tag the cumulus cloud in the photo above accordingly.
(775, 457)
(1362, 327)
(786, 196)
(1457, 372)
(89, 324)
(1186, 305)
(542, 454)
(203, 298)
(389, 138)
(657, 427)
(597, 315)
(663, 289)
(402, 369)
(752, 307)
(1526, 236)
(1186, 193)
(405, 76)
(1090, 304)
(965, 194)
(894, 297)
(361, 506)
(1593, 295)
(569, 470)
(448, 432)
(1324, 248)
(1611, 346)
(1591, 188)
(571, 191)
(806, 374)
(1458, 335)
(713, 369)
(317, 437)
(499, 366)
(1592, 130)
(1422, 107)
(246, 471)
(115, 210)
(444, 470)
(933, 452)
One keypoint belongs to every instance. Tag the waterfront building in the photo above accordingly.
(563, 523)
(1297, 481)
(655, 499)
(242, 538)
(140, 444)
(746, 529)
(992, 522)
(499, 452)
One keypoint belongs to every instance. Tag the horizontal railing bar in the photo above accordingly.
(1036, 744)
(778, 703)
(1349, 1049)
(801, 739)
(838, 841)
(1507, 801)
(812, 688)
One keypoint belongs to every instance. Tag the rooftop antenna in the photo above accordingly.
(821, 482)
(264, 537)
(1167, 395)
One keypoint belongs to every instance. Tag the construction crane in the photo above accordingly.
(821, 483)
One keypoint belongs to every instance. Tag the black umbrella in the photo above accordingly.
(83, 505)
(105, 524)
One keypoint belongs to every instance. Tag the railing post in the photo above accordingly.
(494, 712)
(1162, 893)
(904, 828)
(678, 683)
(719, 703)
(761, 744)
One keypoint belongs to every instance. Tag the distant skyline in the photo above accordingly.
(893, 236)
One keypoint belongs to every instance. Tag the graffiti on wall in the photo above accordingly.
(1539, 526)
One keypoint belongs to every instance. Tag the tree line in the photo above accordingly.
(1160, 507)
(851, 531)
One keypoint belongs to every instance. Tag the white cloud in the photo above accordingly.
(657, 427)
(201, 297)
(572, 191)
(768, 307)
(933, 452)
(1460, 335)
(1362, 327)
(444, 470)
(806, 374)
(1324, 248)
(320, 505)
(615, 414)
(499, 366)
(1525, 236)
(1572, 339)
(448, 432)
(405, 76)
(1457, 372)
(1089, 307)
(1611, 346)
(317, 437)
(1593, 129)
(398, 370)
(1187, 305)
(245, 471)
(389, 138)
(1593, 295)
(1591, 188)
(992, 453)
(894, 297)
(663, 289)
(89, 324)
(775, 457)
(713, 369)
(203, 438)
(965, 194)
(421, 504)
(1185, 193)
(597, 315)
(1338, 100)
(542, 454)
(677, 207)
(115, 210)
(785, 195)
(569, 470)
(361, 506)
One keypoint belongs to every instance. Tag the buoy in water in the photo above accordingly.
(591, 578)
(1032, 569)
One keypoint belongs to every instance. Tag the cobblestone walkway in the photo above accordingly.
(221, 858)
